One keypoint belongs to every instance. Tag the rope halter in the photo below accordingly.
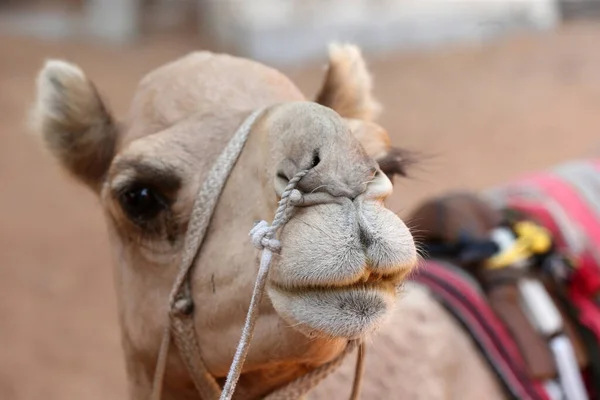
(180, 322)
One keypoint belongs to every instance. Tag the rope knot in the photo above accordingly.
(183, 306)
(295, 197)
(261, 237)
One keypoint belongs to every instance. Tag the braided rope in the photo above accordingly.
(263, 239)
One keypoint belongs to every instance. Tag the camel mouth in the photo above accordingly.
(374, 279)
(367, 280)
(351, 313)
(349, 310)
(340, 268)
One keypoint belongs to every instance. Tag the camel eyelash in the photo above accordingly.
(160, 177)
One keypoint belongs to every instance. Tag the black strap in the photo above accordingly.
(466, 249)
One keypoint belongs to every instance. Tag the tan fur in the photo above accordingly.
(74, 123)
(424, 354)
(182, 116)
(348, 86)
(347, 89)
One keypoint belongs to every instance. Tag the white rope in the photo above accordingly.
(263, 238)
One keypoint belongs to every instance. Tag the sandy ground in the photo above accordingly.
(483, 113)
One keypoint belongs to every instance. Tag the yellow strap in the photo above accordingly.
(531, 239)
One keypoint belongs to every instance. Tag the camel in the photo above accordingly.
(338, 276)
(342, 260)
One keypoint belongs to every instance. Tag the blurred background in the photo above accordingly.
(488, 89)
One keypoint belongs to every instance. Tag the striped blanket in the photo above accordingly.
(566, 201)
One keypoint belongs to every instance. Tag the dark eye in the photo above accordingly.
(142, 203)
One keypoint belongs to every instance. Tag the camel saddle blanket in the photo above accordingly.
(531, 306)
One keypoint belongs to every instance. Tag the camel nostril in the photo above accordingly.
(281, 181)
(281, 175)
(316, 159)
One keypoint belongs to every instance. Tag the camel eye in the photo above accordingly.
(142, 203)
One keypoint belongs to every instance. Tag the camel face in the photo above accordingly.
(342, 257)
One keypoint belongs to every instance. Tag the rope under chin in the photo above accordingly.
(180, 324)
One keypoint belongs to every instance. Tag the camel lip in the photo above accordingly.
(367, 281)
(350, 311)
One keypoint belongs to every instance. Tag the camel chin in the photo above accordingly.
(348, 312)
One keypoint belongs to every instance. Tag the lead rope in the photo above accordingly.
(263, 238)
(359, 371)
(181, 304)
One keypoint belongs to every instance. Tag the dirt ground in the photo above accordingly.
(483, 113)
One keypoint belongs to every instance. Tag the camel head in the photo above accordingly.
(344, 255)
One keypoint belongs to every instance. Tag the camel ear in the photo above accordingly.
(376, 142)
(347, 88)
(73, 123)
